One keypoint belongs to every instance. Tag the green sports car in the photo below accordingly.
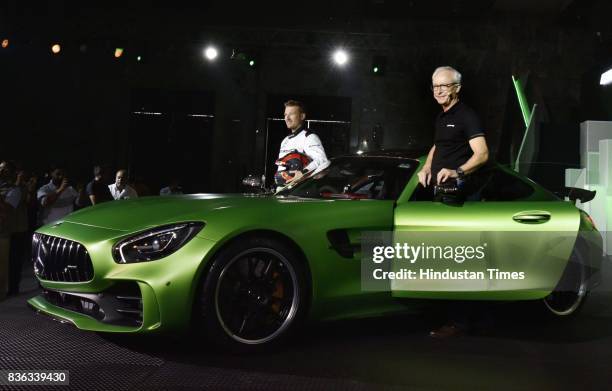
(248, 269)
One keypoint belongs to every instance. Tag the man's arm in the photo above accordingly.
(425, 173)
(479, 157)
(13, 197)
(314, 150)
(52, 196)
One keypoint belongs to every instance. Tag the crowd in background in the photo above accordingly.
(29, 200)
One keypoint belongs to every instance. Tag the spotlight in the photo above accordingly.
(379, 64)
(139, 58)
(606, 78)
(252, 59)
(211, 53)
(56, 48)
(118, 52)
(5, 43)
(340, 57)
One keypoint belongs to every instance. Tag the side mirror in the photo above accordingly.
(255, 183)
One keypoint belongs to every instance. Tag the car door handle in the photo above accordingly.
(531, 217)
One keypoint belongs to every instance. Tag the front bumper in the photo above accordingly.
(139, 297)
(118, 309)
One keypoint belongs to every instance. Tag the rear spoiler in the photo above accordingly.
(574, 193)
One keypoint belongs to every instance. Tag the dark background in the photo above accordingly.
(210, 120)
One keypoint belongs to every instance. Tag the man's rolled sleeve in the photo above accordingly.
(13, 197)
(473, 127)
(42, 193)
(314, 149)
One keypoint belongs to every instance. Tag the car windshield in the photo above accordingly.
(355, 178)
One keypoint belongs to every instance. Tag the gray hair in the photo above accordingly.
(456, 74)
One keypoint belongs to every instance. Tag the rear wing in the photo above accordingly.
(574, 193)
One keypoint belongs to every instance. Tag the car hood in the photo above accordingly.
(146, 212)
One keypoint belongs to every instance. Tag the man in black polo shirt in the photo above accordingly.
(459, 150)
(459, 146)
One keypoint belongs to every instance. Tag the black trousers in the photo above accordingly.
(17, 256)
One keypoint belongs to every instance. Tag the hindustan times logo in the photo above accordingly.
(410, 253)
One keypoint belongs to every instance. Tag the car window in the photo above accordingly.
(355, 178)
(502, 186)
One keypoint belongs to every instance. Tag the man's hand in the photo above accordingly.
(424, 176)
(445, 174)
(296, 176)
(63, 186)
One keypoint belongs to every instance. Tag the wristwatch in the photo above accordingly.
(460, 173)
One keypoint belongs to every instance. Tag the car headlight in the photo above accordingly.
(156, 243)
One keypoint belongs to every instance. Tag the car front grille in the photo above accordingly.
(58, 259)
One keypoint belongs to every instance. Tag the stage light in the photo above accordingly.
(5, 43)
(139, 58)
(606, 78)
(340, 57)
(379, 63)
(118, 52)
(252, 63)
(56, 48)
(211, 53)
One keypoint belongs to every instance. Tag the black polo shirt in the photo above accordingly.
(454, 129)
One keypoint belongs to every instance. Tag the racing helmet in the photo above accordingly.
(293, 161)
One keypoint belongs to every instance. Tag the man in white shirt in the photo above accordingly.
(302, 141)
(56, 197)
(120, 190)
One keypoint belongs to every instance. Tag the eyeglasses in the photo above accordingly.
(442, 87)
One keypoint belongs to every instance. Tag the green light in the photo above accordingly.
(375, 69)
(252, 63)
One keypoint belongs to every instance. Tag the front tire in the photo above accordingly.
(254, 295)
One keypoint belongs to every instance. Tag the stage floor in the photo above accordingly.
(515, 350)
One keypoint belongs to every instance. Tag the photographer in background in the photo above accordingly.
(56, 197)
(97, 190)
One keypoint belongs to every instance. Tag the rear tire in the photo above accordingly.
(571, 291)
(254, 295)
